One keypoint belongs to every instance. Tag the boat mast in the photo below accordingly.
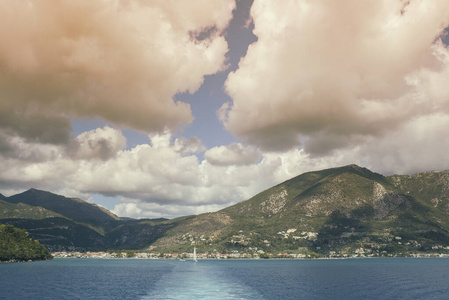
(194, 254)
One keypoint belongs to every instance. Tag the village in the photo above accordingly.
(150, 255)
(360, 253)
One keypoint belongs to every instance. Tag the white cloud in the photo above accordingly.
(330, 75)
(159, 180)
(140, 209)
(152, 176)
(127, 209)
(418, 145)
(233, 154)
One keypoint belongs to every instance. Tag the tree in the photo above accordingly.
(17, 245)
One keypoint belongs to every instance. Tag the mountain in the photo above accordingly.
(20, 210)
(335, 210)
(62, 223)
(58, 234)
(72, 208)
(137, 234)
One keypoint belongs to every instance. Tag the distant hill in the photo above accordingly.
(24, 211)
(59, 234)
(62, 223)
(334, 211)
(72, 208)
(16, 245)
(137, 234)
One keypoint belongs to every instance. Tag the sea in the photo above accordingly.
(367, 278)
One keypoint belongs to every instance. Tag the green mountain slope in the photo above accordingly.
(432, 188)
(338, 210)
(24, 211)
(16, 245)
(71, 208)
(59, 234)
(137, 234)
(62, 223)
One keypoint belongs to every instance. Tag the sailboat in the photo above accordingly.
(194, 254)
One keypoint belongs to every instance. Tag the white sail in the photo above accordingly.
(194, 254)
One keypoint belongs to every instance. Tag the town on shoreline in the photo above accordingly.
(233, 255)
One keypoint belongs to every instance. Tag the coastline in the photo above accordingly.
(233, 256)
(11, 261)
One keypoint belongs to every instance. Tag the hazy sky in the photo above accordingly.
(170, 108)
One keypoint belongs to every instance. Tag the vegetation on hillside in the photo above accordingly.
(24, 211)
(340, 210)
(71, 208)
(16, 245)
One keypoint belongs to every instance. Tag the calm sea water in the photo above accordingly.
(383, 278)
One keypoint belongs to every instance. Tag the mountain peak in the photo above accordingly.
(34, 191)
(352, 167)
(361, 171)
(74, 209)
(355, 167)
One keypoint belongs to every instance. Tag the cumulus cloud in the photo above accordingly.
(329, 75)
(128, 209)
(233, 154)
(122, 61)
(161, 180)
(150, 177)
(103, 143)
(140, 209)
(188, 145)
(416, 146)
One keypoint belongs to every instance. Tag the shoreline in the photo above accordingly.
(189, 256)
(12, 261)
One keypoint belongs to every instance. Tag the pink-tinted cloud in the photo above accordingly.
(233, 154)
(330, 74)
(122, 61)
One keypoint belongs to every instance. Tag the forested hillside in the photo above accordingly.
(17, 245)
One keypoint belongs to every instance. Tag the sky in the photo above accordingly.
(171, 108)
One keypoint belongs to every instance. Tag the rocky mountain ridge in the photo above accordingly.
(331, 210)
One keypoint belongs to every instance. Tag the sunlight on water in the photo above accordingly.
(202, 280)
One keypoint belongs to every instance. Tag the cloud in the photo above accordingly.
(331, 75)
(416, 146)
(152, 176)
(122, 61)
(127, 209)
(188, 146)
(33, 123)
(139, 209)
(103, 143)
(160, 179)
(233, 154)
(349, 81)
